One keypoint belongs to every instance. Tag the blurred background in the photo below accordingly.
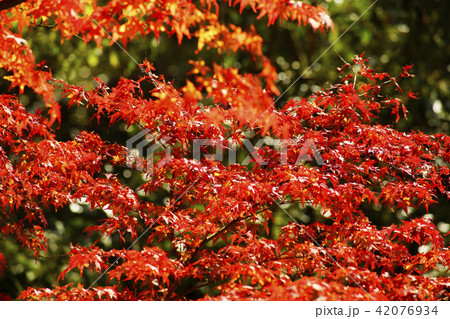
(392, 33)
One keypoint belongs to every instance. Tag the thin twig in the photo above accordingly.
(15, 134)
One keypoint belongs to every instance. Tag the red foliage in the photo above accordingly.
(217, 223)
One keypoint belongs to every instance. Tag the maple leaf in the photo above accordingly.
(218, 229)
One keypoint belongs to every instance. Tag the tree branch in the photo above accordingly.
(14, 133)
(7, 4)
(174, 286)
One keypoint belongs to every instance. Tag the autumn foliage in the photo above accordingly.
(218, 221)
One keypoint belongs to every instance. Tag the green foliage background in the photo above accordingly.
(392, 33)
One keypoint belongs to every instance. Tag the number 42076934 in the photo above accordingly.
(407, 310)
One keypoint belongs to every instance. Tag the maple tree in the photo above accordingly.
(214, 238)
